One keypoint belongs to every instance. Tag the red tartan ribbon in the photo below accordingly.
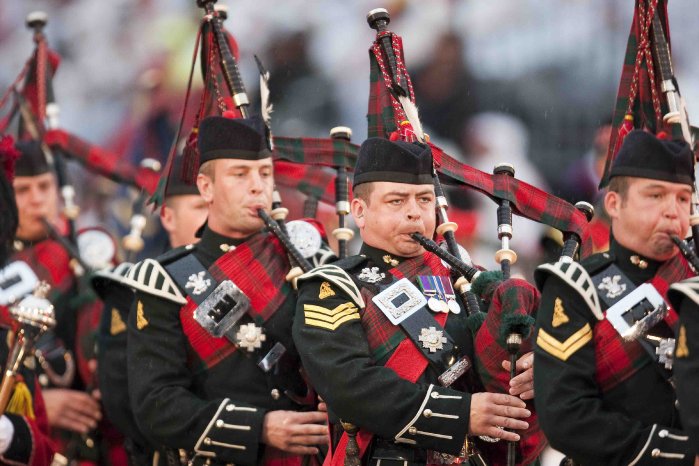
(258, 267)
(101, 161)
(327, 152)
(527, 201)
(51, 262)
(317, 182)
(514, 296)
(385, 116)
(638, 103)
(406, 361)
(617, 359)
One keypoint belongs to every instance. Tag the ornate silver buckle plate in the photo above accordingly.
(222, 309)
(634, 314)
(400, 300)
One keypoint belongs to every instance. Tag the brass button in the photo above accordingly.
(412, 430)
(663, 433)
(427, 413)
(435, 395)
(207, 441)
(230, 407)
(219, 423)
(655, 453)
(275, 394)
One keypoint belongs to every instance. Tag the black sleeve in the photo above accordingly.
(568, 400)
(334, 350)
(686, 367)
(111, 360)
(160, 386)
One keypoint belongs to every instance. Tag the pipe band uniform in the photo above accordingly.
(605, 330)
(210, 356)
(372, 346)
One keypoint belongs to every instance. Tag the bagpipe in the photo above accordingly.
(33, 103)
(649, 96)
(316, 167)
(67, 255)
(501, 333)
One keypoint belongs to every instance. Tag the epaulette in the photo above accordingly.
(175, 253)
(337, 276)
(103, 279)
(576, 277)
(351, 262)
(596, 262)
(688, 288)
(150, 277)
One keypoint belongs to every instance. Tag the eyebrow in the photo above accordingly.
(661, 186)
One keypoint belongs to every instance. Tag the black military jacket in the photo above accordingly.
(218, 411)
(636, 422)
(356, 386)
(685, 298)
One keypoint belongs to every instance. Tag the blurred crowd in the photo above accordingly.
(527, 82)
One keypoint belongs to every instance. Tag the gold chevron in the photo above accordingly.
(141, 321)
(118, 324)
(564, 350)
(331, 319)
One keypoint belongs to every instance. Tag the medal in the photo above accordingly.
(444, 305)
(434, 304)
(450, 295)
(429, 289)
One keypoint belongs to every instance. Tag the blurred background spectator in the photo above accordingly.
(546, 71)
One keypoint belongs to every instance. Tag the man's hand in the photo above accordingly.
(491, 412)
(71, 410)
(523, 384)
(295, 432)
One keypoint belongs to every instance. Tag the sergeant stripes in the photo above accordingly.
(330, 319)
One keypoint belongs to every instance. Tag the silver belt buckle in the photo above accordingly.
(400, 300)
(637, 312)
(222, 309)
(16, 281)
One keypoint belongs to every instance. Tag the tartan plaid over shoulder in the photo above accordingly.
(258, 267)
(617, 359)
(382, 336)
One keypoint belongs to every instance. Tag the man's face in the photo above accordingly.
(182, 216)
(239, 189)
(651, 212)
(37, 198)
(393, 212)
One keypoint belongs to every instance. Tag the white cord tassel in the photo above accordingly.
(411, 113)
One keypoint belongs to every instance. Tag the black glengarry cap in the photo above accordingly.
(643, 155)
(395, 161)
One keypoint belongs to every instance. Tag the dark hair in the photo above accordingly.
(619, 185)
(363, 191)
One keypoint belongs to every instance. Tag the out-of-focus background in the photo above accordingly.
(530, 82)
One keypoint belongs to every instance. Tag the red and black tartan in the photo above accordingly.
(617, 359)
(385, 116)
(101, 161)
(527, 201)
(513, 296)
(50, 262)
(640, 102)
(382, 336)
(258, 267)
